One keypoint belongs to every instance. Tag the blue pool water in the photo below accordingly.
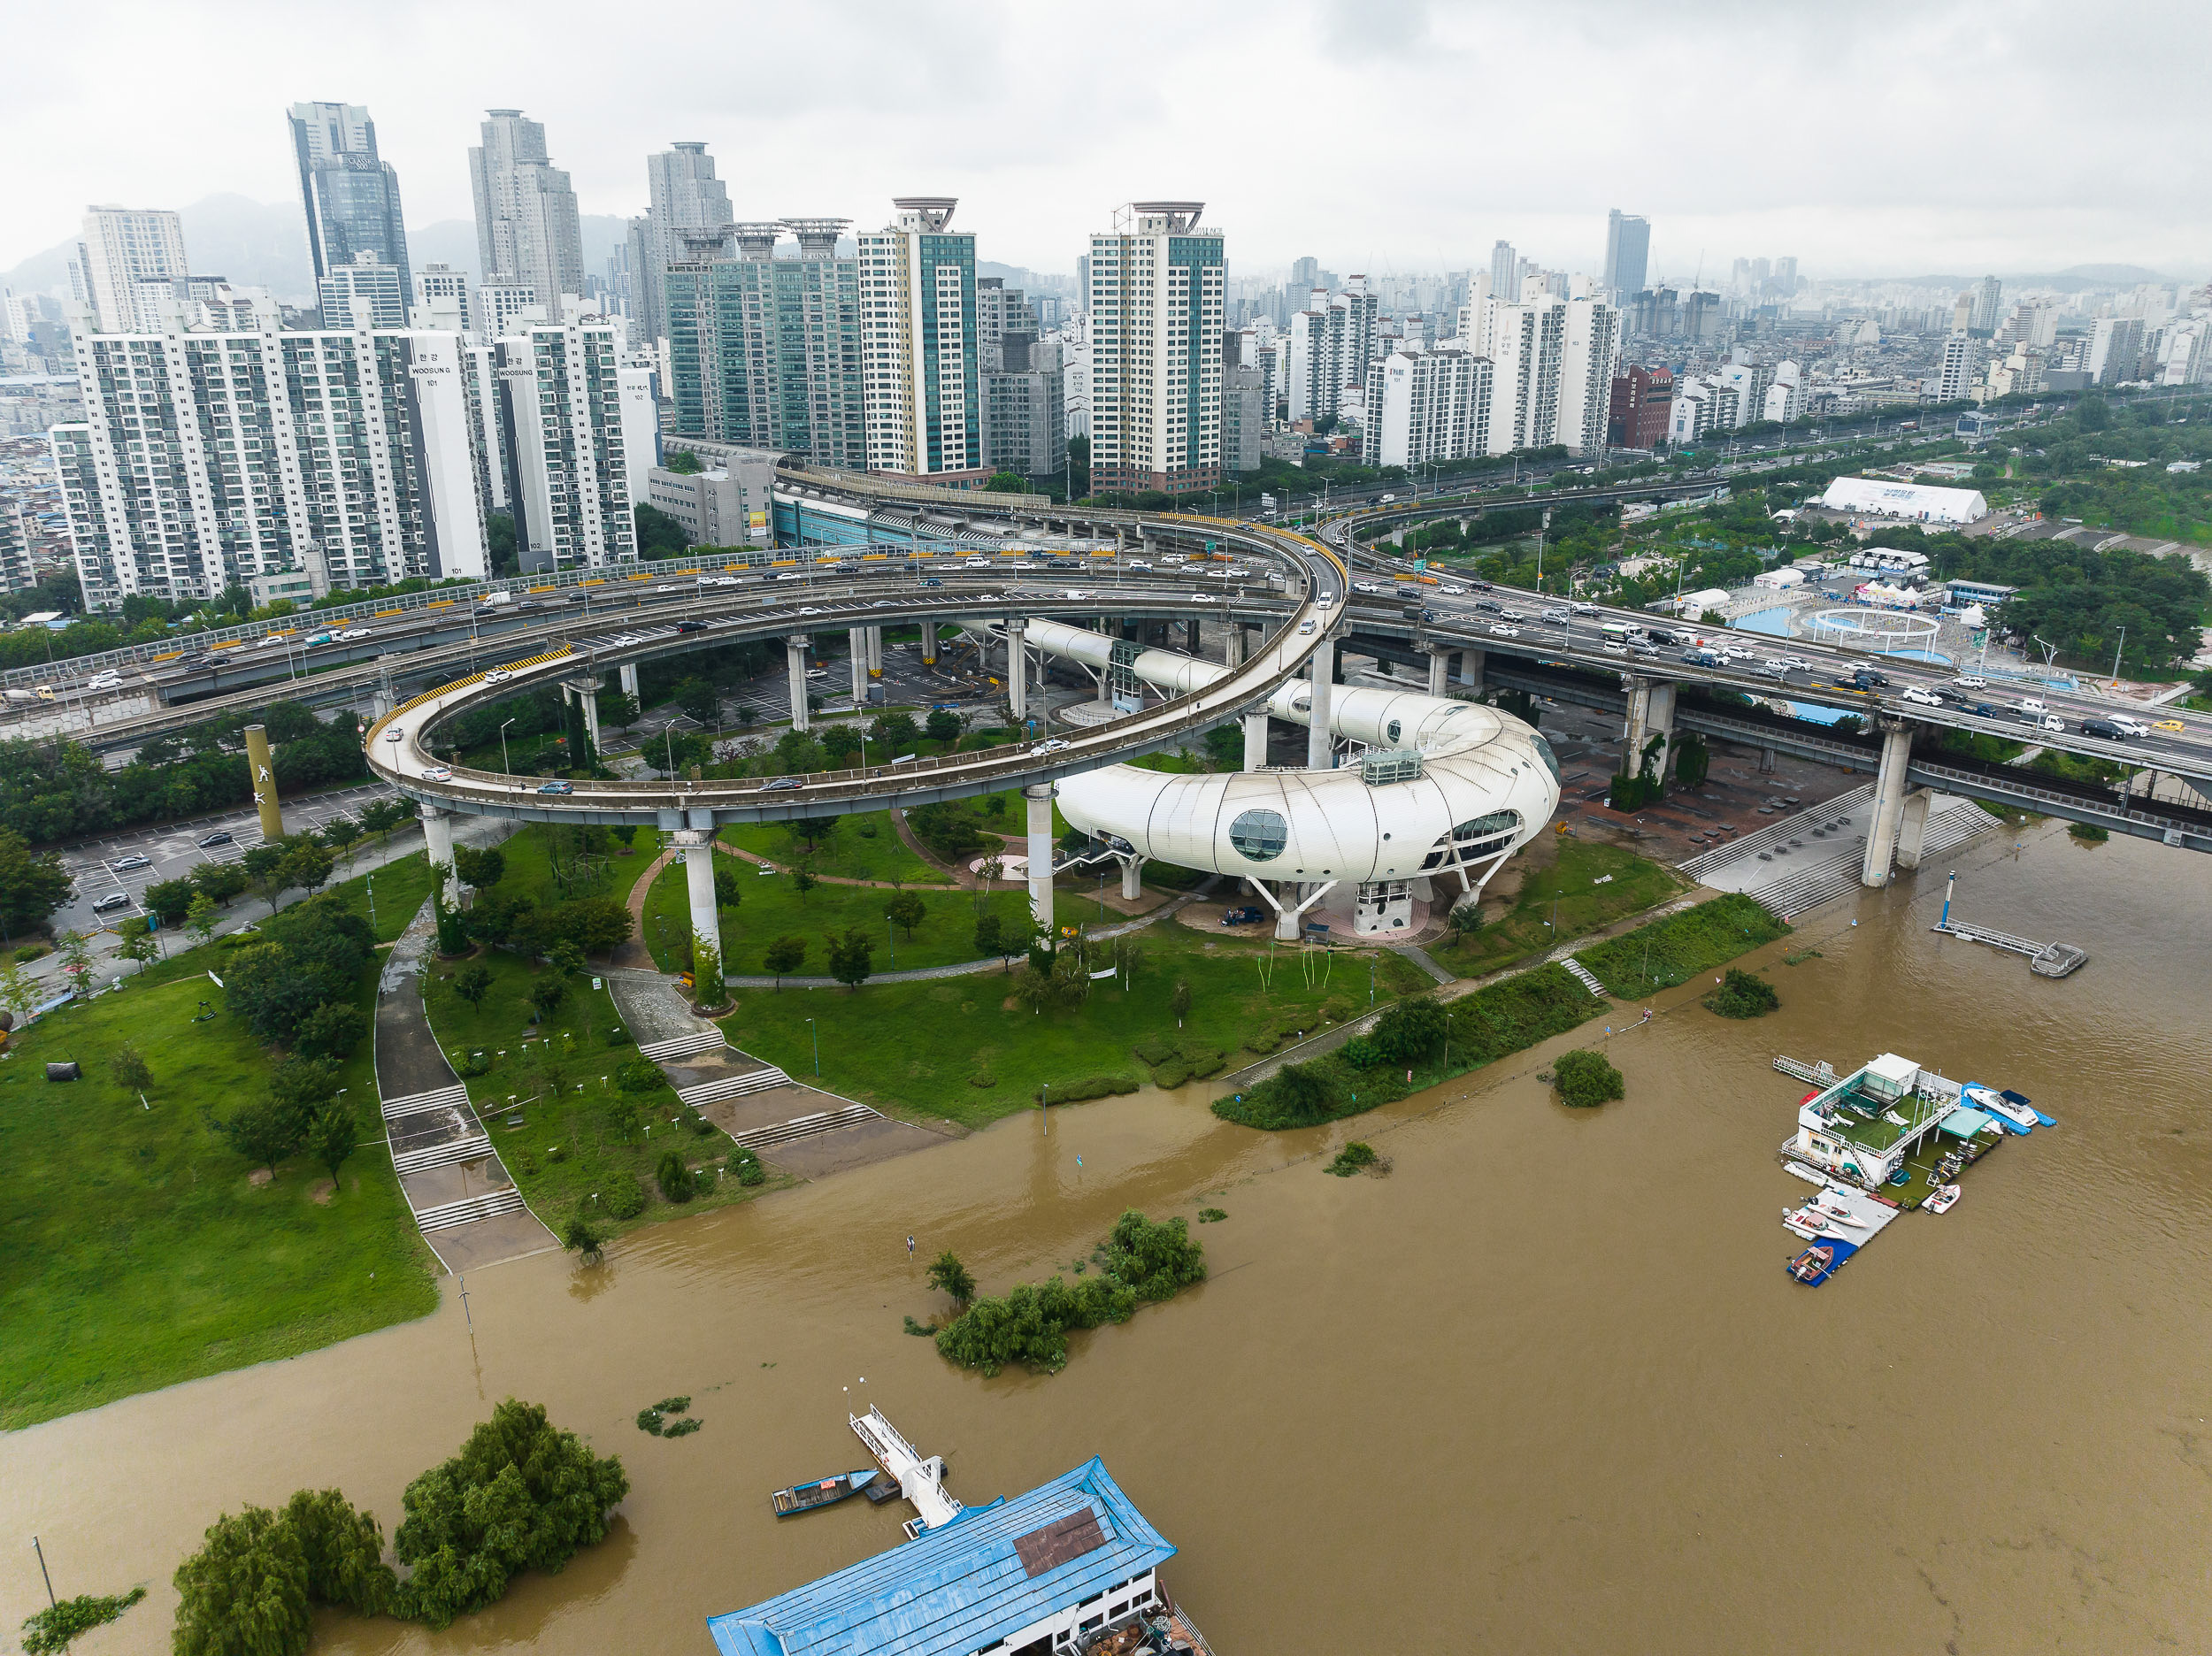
(1774, 623)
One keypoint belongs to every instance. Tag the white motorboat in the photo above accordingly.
(1993, 1102)
(1941, 1200)
(1838, 1212)
(1804, 1219)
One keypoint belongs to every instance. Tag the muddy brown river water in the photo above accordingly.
(1543, 1388)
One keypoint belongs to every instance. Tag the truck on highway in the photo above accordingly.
(492, 601)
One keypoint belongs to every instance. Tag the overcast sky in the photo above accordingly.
(1875, 137)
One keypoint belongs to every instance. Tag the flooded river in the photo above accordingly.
(1543, 1388)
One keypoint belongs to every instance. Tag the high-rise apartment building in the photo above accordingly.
(765, 352)
(1427, 405)
(1363, 308)
(1312, 374)
(365, 293)
(2116, 350)
(1590, 346)
(576, 422)
(527, 232)
(1627, 253)
(208, 456)
(442, 300)
(1989, 296)
(1025, 410)
(921, 361)
(1001, 313)
(1305, 273)
(683, 194)
(119, 248)
(350, 195)
(1523, 343)
(1961, 363)
(1157, 292)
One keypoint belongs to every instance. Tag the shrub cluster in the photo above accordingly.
(1182, 1059)
(1743, 994)
(1674, 950)
(1141, 1262)
(1089, 1087)
(1586, 1079)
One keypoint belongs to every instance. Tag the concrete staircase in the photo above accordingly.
(681, 1046)
(734, 1087)
(453, 1097)
(1583, 975)
(444, 1216)
(466, 1149)
(806, 1126)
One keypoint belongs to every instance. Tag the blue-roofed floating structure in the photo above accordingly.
(1041, 1574)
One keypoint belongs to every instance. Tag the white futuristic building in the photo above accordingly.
(1441, 792)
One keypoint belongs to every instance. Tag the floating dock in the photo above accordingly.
(2046, 960)
(920, 1478)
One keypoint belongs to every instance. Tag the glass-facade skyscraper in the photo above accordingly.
(352, 197)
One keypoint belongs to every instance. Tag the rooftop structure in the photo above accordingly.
(1914, 502)
(1865, 1125)
(1067, 1557)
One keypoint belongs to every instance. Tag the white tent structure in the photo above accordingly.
(1443, 793)
(1913, 502)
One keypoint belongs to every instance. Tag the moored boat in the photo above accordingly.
(1835, 1213)
(1813, 1263)
(2017, 1118)
(1941, 1200)
(823, 1492)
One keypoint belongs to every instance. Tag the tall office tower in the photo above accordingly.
(442, 300)
(1424, 405)
(576, 431)
(1305, 273)
(1589, 349)
(119, 248)
(765, 351)
(1525, 343)
(351, 198)
(1627, 251)
(210, 457)
(1505, 271)
(921, 359)
(683, 194)
(527, 234)
(1157, 288)
(1989, 293)
(364, 293)
(1956, 380)
(1786, 278)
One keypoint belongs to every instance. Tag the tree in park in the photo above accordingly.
(547, 992)
(19, 991)
(76, 956)
(942, 725)
(473, 983)
(951, 1278)
(674, 1178)
(171, 899)
(332, 1135)
(803, 881)
(31, 887)
(220, 882)
(521, 1494)
(841, 742)
(785, 954)
(137, 941)
(481, 869)
(306, 866)
(850, 956)
(1586, 1079)
(1178, 1001)
(1409, 1031)
(341, 834)
(582, 1234)
(332, 1030)
(894, 733)
(126, 1065)
(244, 1592)
(199, 919)
(729, 890)
(907, 911)
(263, 867)
(697, 698)
(706, 975)
(990, 932)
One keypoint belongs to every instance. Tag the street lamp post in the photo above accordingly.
(503, 764)
(817, 1035)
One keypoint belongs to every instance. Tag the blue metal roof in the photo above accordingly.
(957, 1589)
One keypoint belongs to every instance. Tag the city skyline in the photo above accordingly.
(1907, 183)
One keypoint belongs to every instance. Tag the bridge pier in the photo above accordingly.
(1190, 632)
(1018, 669)
(875, 651)
(381, 702)
(586, 691)
(1912, 827)
(1439, 671)
(437, 833)
(1321, 667)
(698, 845)
(1255, 741)
(1471, 663)
(1037, 798)
(1650, 713)
(1889, 803)
(857, 647)
(1232, 646)
(929, 643)
(1132, 879)
(794, 659)
(629, 672)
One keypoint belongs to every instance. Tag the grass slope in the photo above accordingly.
(1582, 905)
(862, 846)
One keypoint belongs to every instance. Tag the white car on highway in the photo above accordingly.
(1918, 697)
(1971, 681)
(498, 675)
(1504, 628)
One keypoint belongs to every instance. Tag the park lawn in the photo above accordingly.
(559, 1077)
(957, 1048)
(398, 888)
(138, 1251)
(529, 858)
(770, 908)
(1584, 906)
(862, 846)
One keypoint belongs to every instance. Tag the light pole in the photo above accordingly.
(2116, 657)
(891, 931)
(817, 1034)
(503, 764)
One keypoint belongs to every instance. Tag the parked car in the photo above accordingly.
(113, 899)
(134, 861)
(557, 787)
(220, 837)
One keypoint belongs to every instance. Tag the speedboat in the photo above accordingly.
(1941, 1199)
(2018, 1117)
(822, 1492)
(1805, 1218)
(1838, 1212)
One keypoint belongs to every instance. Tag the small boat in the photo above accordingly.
(826, 1491)
(1941, 1199)
(1837, 1212)
(1811, 1175)
(2026, 1104)
(2017, 1118)
(1804, 1218)
(1814, 1263)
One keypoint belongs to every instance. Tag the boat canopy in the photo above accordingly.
(1965, 1124)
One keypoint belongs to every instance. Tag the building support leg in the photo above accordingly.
(437, 833)
(857, 647)
(1232, 646)
(629, 680)
(1132, 879)
(706, 920)
(1037, 798)
(1320, 748)
(929, 643)
(1439, 671)
(1889, 803)
(1912, 826)
(875, 652)
(1255, 742)
(1766, 762)
(794, 658)
(588, 692)
(1018, 669)
(1471, 663)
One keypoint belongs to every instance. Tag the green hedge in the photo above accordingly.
(1682, 945)
(1089, 1087)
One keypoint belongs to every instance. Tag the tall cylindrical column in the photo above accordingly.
(1017, 668)
(1659, 721)
(1321, 667)
(1889, 803)
(1471, 663)
(1639, 716)
(856, 644)
(629, 672)
(706, 920)
(437, 833)
(875, 651)
(1232, 646)
(1439, 671)
(1912, 828)
(1286, 918)
(1190, 632)
(929, 643)
(588, 691)
(382, 702)
(795, 658)
(1255, 742)
(1038, 797)
(1133, 879)
(264, 789)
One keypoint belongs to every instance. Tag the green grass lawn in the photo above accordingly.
(960, 1052)
(559, 1077)
(864, 847)
(770, 906)
(398, 889)
(1583, 906)
(138, 1251)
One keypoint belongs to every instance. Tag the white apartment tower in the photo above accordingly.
(1589, 352)
(1525, 343)
(528, 232)
(919, 352)
(1424, 405)
(1156, 300)
(574, 433)
(1955, 382)
(119, 248)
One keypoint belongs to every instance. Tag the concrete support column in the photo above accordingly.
(698, 845)
(380, 703)
(1132, 879)
(1911, 827)
(1889, 803)
(795, 658)
(929, 643)
(1471, 663)
(857, 647)
(1635, 732)
(586, 691)
(1659, 721)
(1232, 646)
(1766, 761)
(1439, 671)
(875, 652)
(1190, 631)
(1255, 742)
(629, 680)
(1288, 914)
(1037, 798)
(1321, 666)
(437, 832)
(1017, 668)
(261, 770)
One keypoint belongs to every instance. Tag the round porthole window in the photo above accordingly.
(1259, 835)
(1392, 733)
